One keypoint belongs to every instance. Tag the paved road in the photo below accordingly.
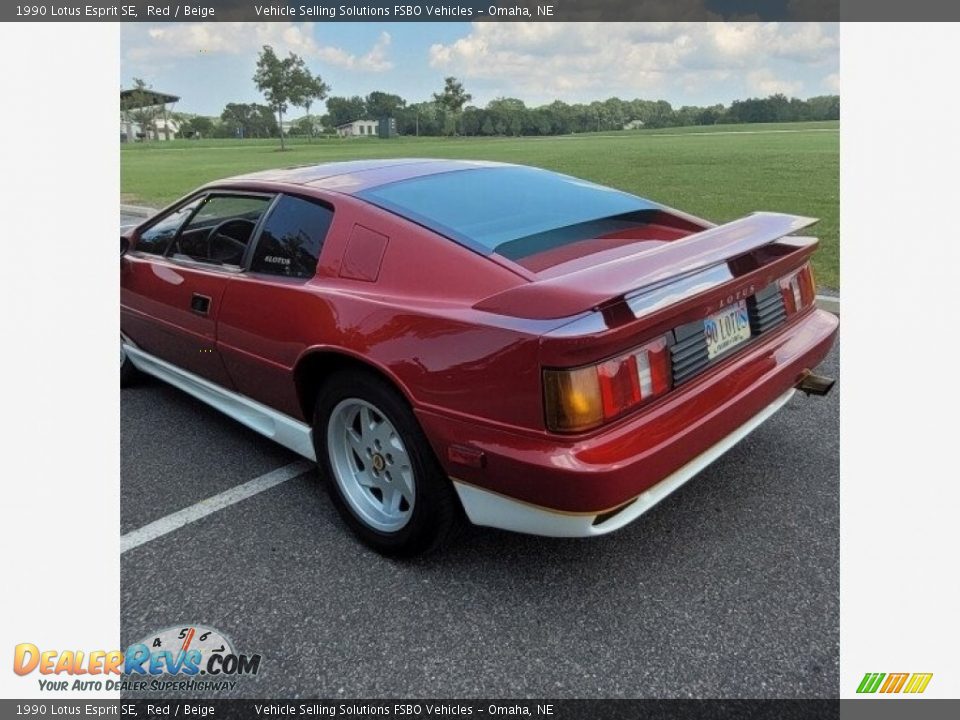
(728, 588)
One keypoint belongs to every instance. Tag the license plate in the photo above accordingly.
(727, 328)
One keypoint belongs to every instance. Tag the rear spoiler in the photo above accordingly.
(588, 288)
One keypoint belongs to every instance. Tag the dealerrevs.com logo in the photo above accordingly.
(184, 658)
(892, 683)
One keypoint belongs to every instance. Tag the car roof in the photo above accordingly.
(357, 175)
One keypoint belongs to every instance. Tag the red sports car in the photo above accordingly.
(541, 353)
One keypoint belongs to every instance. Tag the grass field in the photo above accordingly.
(720, 172)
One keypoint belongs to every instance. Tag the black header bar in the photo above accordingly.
(432, 709)
(156, 11)
(401, 709)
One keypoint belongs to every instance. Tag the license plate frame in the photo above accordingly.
(726, 329)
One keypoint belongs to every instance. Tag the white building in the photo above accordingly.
(358, 128)
(165, 128)
(161, 129)
(162, 126)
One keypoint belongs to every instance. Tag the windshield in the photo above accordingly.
(512, 211)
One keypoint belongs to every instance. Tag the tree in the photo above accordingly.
(616, 113)
(584, 118)
(597, 117)
(305, 126)
(824, 107)
(247, 120)
(541, 121)
(472, 120)
(280, 81)
(381, 105)
(307, 88)
(660, 115)
(139, 109)
(450, 112)
(561, 117)
(426, 118)
(509, 115)
(453, 97)
(710, 115)
(197, 126)
(341, 110)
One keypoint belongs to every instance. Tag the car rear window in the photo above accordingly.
(511, 211)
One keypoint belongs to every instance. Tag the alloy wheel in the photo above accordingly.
(371, 465)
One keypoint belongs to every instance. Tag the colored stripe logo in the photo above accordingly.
(884, 683)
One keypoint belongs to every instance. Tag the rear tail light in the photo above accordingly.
(584, 398)
(797, 290)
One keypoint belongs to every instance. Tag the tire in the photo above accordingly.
(384, 481)
(128, 373)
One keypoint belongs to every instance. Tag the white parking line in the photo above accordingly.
(175, 521)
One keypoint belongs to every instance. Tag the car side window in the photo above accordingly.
(156, 238)
(221, 229)
(292, 238)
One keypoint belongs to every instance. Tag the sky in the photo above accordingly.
(211, 64)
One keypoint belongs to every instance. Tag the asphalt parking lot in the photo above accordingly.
(729, 588)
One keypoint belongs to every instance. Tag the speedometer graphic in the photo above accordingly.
(179, 639)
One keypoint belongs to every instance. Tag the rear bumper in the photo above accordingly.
(589, 485)
(488, 508)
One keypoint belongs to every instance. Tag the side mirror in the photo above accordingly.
(124, 245)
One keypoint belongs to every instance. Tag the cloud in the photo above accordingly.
(832, 83)
(764, 82)
(563, 56)
(802, 42)
(557, 58)
(185, 40)
(376, 60)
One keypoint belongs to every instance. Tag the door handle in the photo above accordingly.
(200, 304)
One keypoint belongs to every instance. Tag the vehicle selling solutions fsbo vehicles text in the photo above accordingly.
(315, 709)
(395, 11)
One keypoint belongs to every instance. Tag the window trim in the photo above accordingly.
(258, 233)
(244, 268)
(206, 196)
(202, 197)
(159, 218)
